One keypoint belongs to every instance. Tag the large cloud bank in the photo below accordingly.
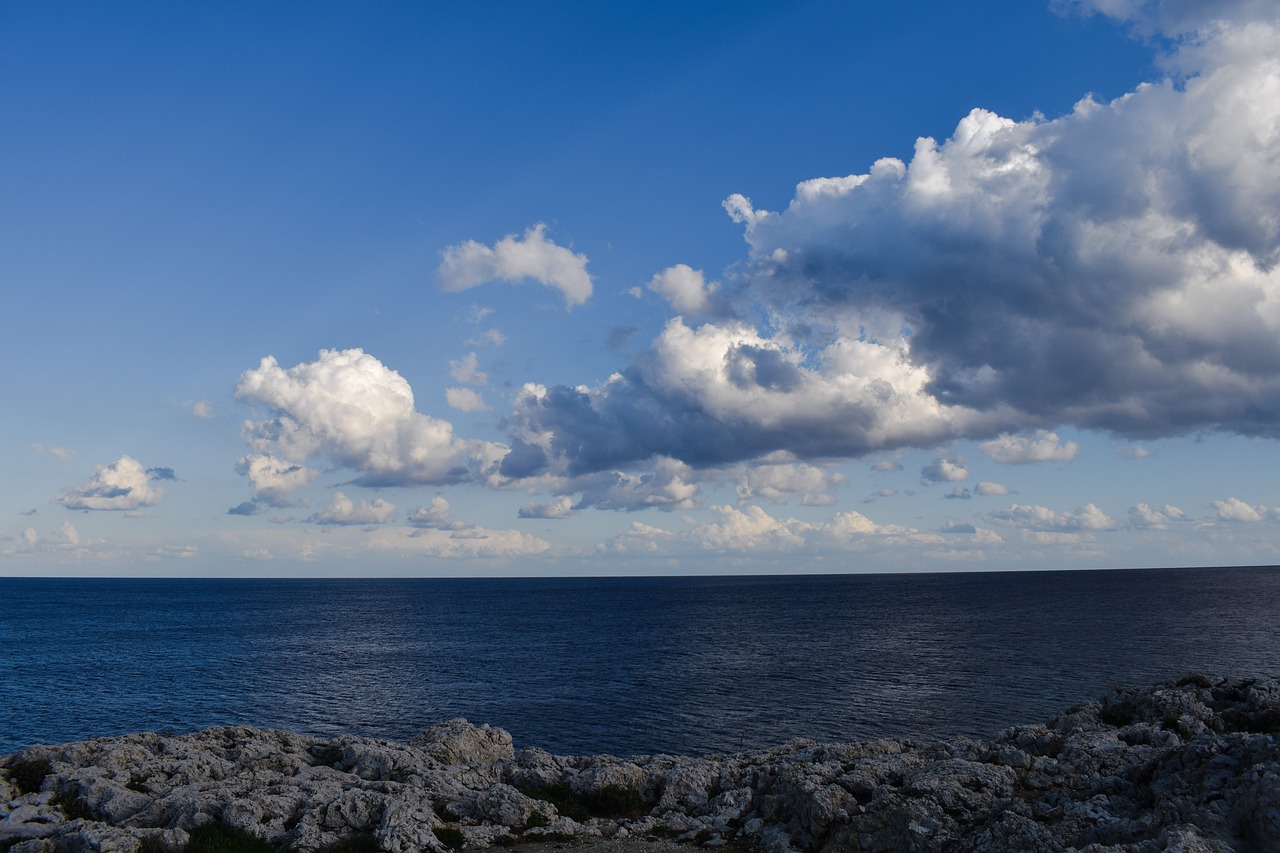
(1113, 269)
(349, 408)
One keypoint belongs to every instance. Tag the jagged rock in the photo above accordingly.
(1192, 766)
(457, 742)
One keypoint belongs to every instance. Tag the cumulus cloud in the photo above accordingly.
(343, 510)
(688, 292)
(465, 400)
(561, 507)
(514, 259)
(433, 516)
(943, 471)
(122, 485)
(347, 407)
(1145, 515)
(724, 393)
(273, 479)
(885, 466)
(1043, 446)
(247, 508)
(1115, 268)
(203, 409)
(1043, 519)
(1234, 509)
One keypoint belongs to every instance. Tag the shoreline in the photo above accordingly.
(1191, 765)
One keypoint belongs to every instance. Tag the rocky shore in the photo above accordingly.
(1186, 766)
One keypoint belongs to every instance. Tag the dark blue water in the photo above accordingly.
(633, 665)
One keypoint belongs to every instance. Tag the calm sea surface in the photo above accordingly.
(684, 665)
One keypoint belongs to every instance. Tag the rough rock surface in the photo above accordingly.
(1192, 766)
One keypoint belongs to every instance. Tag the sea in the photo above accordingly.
(625, 666)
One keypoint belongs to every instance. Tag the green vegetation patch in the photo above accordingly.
(450, 837)
(611, 801)
(363, 842)
(220, 838)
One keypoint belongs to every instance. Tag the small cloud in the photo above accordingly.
(886, 466)
(343, 510)
(467, 370)
(434, 516)
(987, 488)
(1145, 515)
(1044, 446)
(161, 474)
(687, 291)
(943, 471)
(1039, 518)
(959, 527)
(959, 493)
(27, 512)
(514, 259)
(55, 452)
(1132, 451)
(203, 409)
(1233, 509)
(246, 508)
(561, 507)
(122, 485)
(465, 400)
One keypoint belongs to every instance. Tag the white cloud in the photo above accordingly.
(561, 507)
(55, 452)
(122, 485)
(944, 471)
(687, 291)
(203, 409)
(467, 369)
(885, 466)
(668, 485)
(433, 516)
(1233, 509)
(273, 479)
(348, 407)
(513, 259)
(1043, 519)
(722, 393)
(1044, 446)
(1145, 515)
(343, 510)
(751, 529)
(989, 488)
(465, 400)
(777, 479)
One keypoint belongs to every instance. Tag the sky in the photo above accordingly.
(478, 289)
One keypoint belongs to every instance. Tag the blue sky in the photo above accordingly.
(460, 289)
